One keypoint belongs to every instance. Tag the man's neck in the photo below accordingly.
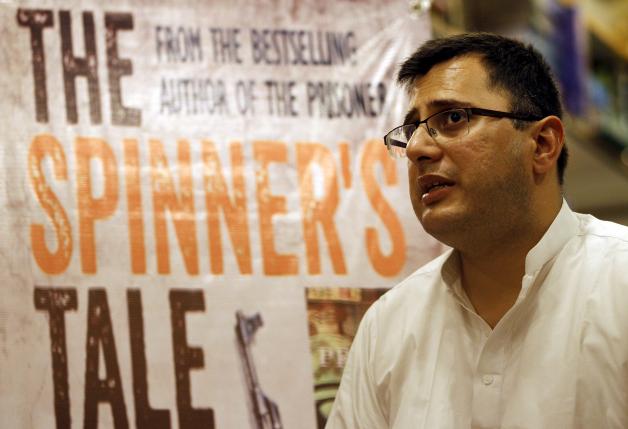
(491, 275)
(493, 282)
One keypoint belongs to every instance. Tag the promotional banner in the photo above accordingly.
(196, 206)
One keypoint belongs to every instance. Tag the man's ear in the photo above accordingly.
(549, 136)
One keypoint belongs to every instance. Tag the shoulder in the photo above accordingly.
(420, 283)
(602, 241)
(597, 261)
(597, 266)
(594, 228)
(411, 298)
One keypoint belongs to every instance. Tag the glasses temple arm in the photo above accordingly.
(393, 142)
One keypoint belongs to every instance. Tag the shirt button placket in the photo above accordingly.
(486, 400)
(487, 384)
(487, 379)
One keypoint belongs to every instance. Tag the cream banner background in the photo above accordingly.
(215, 156)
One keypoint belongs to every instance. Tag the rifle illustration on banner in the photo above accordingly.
(266, 412)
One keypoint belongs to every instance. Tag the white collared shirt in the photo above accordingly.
(423, 358)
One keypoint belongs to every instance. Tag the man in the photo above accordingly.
(524, 322)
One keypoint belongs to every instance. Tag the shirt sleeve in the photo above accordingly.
(357, 404)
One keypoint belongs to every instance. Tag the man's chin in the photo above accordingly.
(439, 224)
(434, 231)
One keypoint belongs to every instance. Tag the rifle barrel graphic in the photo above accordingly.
(266, 412)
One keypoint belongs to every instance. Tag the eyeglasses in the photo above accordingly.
(444, 127)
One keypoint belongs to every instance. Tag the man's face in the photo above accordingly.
(487, 172)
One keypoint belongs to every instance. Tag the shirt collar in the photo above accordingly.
(450, 273)
(562, 229)
(450, 270)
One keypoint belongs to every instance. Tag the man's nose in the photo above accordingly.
(422, 148)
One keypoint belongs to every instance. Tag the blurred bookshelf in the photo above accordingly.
(586, 44)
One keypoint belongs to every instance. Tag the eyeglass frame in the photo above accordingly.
(469, 111)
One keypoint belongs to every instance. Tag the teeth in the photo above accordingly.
(435, 185)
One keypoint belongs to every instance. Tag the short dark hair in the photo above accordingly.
(512, 66)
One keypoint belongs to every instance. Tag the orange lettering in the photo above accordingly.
(275, 264)
(234, 209)
(386, 265)
(45, 145)
(134, 206)
(180, 206)
(89, 208)
(319, 211)
(344, 162)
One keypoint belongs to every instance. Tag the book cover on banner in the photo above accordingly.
(174, 176)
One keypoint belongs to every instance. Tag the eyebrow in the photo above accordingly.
(443, 103)
(410, 116)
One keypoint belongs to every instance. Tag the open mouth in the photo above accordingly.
(434, 187)
(431, 182)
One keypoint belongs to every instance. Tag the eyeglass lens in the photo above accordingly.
(397, 140)
(448, 124)
(442, 127)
